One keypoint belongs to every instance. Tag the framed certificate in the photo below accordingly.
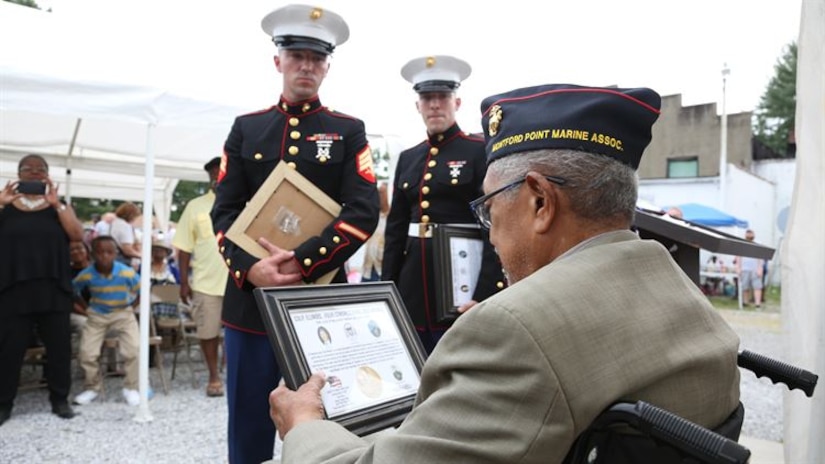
(286, 210)
(458, 251)
(360, 336)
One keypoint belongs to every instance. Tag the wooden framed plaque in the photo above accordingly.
(287, 210)
(458, 250)
(360, 336)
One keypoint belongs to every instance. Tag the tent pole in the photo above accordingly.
(144, 414)
(68, 194)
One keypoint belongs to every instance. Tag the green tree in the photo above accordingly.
(185, 191)
(85, 207)
(774, 117)
(28, 3)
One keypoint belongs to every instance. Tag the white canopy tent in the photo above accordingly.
(57, 107)
(112, 137)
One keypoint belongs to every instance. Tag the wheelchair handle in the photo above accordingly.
(777, 371)
(689, 437)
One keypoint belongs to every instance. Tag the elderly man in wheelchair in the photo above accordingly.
(593, 314)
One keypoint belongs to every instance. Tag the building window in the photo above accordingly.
(683, 167)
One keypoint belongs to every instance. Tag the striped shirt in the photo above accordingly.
(110, 292)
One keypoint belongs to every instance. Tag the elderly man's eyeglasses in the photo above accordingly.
(481, 205)
(31, 170)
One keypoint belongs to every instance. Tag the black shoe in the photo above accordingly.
(63, 410)
(5, 414)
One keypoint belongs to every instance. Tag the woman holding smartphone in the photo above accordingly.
(35, 281)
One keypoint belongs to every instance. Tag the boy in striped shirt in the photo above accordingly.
(113, 287)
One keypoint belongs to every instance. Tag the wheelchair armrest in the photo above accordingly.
(777, 371)
(664, 426)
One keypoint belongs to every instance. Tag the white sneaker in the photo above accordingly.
(86, 397)
(131, 396)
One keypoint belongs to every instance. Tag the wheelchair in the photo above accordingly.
(640, 432)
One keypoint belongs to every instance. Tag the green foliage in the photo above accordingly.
(85, 207)
(28, 3)
(185, 191)
(774, 117)
(771, 300)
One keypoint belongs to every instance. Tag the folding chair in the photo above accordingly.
(163, 335)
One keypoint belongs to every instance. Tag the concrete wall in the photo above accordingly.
(695, 131)
(782, 173)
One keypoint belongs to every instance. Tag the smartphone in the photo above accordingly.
(31, 187)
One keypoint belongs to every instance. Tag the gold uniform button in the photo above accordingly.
(433, 151)
(425, 204)
(406, 184)
(323, 160)
(428, 176)
(237, 274)
(425, 219)
(336, 239)
(258, 156)
(307, 262)
(294, 121)
(454, 181)
(432, 163)
(322, 251)
(295, 135)
(293, 150)
(292, 165)
(425, 190)
(222, 248)
(228, 262)
(500, 284)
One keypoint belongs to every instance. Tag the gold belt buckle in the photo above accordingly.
(422, 230)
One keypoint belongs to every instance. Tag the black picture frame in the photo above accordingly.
(446, 282)
(295, 318)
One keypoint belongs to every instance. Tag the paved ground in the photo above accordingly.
(188, 427)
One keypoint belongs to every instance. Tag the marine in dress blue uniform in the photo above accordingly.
(328, 148)
(434, 184)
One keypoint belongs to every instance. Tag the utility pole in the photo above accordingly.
(723, 149)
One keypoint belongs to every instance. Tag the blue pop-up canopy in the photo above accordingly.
(707, 216)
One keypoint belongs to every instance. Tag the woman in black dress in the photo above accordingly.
(35, 282)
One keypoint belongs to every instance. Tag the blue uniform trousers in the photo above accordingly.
(251, 373)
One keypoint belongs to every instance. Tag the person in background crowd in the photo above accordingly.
(434, 182)
(203, 274)
(81, 258)
(35, 281)
(104, 225)
(593, 313)
(123, 232)
(114, 288)
(327, 148)
(750, 271)
(161, 271)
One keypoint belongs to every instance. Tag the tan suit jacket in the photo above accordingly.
(521, 375)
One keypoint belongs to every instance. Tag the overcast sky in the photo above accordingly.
(216, 49)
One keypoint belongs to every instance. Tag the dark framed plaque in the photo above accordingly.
(360, 336)
(458, 250)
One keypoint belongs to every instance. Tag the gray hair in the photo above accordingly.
(600, 188)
